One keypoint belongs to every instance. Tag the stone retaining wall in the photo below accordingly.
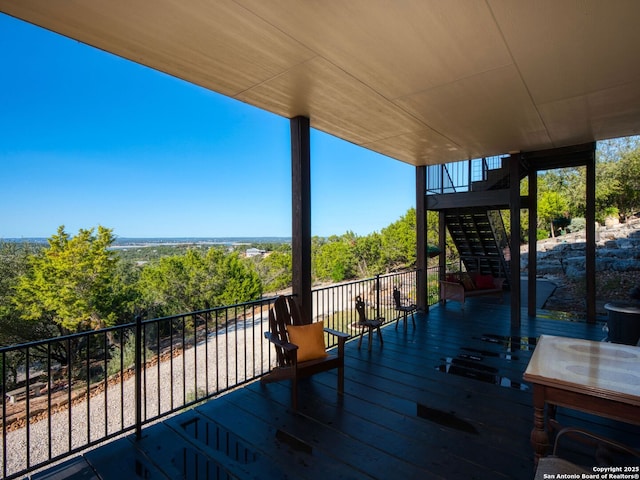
(617, 249)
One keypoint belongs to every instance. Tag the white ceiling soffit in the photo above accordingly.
(423, 81)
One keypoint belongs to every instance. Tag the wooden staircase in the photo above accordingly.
(471, 194)
(481, 240)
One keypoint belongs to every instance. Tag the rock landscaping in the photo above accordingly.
(562, 261)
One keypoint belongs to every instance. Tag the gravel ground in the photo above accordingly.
(215, 365)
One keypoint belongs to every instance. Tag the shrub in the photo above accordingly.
(577, 224)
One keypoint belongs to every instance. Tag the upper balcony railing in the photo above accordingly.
(455, 177)
(65, 394)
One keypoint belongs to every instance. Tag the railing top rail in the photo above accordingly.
(264, 300)
(363, 280)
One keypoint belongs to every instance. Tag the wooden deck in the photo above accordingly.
(443, 400)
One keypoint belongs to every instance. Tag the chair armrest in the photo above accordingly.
(276, 341)
(342, 339)
(336, 333)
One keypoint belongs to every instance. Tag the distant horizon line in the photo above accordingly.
(189, 239)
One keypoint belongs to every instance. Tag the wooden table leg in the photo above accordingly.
(539, 436)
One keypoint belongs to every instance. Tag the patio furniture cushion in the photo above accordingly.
(309, 339)
(464, 287)
(484, 281)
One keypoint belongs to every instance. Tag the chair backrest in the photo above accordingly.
(396, 297)
(284, 312)
(360, 308)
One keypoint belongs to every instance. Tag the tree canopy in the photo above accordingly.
(196, 281)
(72, 282)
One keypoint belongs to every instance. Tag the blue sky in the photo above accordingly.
(87, 139)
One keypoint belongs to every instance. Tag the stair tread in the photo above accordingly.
(474, 237)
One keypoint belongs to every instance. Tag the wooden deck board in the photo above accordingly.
(401, 415)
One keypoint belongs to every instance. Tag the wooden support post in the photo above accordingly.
(590, 218)
(301, 215)
(514, 196)
(421, 240)
(532, 262)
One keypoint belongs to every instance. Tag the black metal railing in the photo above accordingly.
(455, 177)
(65, 394)
(335, 304)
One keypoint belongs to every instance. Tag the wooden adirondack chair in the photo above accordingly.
(366, 324)
(285, 313)
(405, 310)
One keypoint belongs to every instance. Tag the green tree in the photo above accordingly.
(368, 254)
(399, 242)
(275, 269)
(334, 259)
(196, 281)
(71, 283)
(627, 196)
(551, 205)
(617, 171)
(14, 263)
(241, 282)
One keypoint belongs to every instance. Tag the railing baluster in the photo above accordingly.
(28, 408)
(378, 294)
(138, 379)
(235, 349)
(195, 356)
(253, 343)
(226, 346)
(217, 353)
(122, 379)
(105, 347)
(244, 333)
(69, 380)
(158, 389)
(4, 415)
(88, 345)
(184, 364)
(207, 315)
(145, 415)
(171, 333)
(49, 385)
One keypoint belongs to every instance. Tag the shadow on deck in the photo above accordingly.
(443, 400)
